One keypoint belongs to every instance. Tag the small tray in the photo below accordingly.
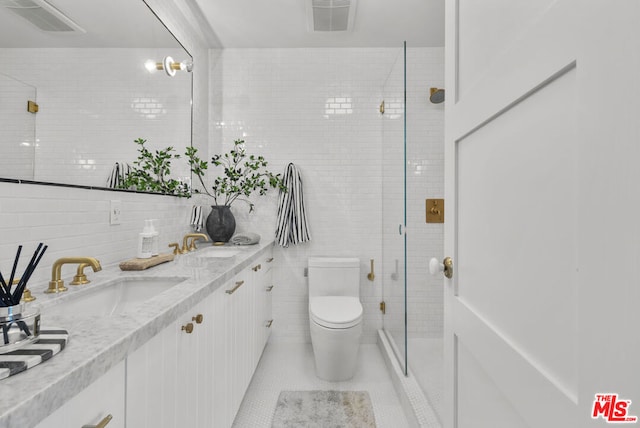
(142, 264)
(19, 326)
(50, 342)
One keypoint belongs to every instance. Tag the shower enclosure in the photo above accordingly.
(413, 171)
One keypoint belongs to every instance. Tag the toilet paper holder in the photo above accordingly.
(371, 276)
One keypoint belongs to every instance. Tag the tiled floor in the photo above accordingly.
(291, 367)
(426, 363)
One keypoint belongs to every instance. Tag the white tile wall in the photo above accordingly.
(317, 108)
(75, 222)
(425, 179)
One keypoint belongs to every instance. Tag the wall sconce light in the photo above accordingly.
(168, 65)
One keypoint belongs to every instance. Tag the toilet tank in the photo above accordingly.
(334, 276)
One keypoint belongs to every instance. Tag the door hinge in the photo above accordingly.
(32, 107)
(383, 307)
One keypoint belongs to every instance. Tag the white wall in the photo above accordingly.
(284, 103)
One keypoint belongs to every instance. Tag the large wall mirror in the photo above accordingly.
(83, 64)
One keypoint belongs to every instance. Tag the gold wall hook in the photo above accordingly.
(382, 107)
(371, 276)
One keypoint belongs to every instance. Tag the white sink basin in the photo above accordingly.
(218, 252)
(112, 298)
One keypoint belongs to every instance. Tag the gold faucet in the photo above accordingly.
(195, 236)
(56, 285)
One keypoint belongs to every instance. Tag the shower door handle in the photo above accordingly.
(446, 266)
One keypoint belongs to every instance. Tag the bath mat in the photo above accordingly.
(324, 409)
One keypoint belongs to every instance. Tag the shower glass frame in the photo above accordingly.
(394, 210)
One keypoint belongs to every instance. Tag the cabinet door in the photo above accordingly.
(152, 381)
(203, 319)
(170, 378)
(102, 398)
(221, 397)
(234, 314)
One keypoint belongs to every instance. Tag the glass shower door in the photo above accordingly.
(394, 248)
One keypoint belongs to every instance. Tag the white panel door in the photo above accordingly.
(540, 169)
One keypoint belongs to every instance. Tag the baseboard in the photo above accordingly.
(414, 403)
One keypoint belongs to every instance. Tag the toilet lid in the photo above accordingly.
(335, 311)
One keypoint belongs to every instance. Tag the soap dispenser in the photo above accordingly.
(155, 237)
(145, 241)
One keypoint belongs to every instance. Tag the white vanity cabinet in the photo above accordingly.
(195, 372)
(94, 405)
(169, 378)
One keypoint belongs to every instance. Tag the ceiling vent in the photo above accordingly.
(330, 15)
(42, 14)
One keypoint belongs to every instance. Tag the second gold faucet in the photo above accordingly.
(186, 248)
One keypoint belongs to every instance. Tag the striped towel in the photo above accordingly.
(292, 220)
(118, 174)
(196, 218)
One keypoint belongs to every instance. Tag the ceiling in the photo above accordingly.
(108, 24)
(283, 24)
(236, 23)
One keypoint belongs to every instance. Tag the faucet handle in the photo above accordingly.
(193, 247)
(176, 248)
(80, 278)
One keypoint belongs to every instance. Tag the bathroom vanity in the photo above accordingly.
(182, 354)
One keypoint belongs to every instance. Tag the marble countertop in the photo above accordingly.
(98, 343)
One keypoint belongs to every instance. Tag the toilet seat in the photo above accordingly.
(337, 312)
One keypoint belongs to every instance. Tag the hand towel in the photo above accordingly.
(248, 238)
(292, 218)
(196, 221)
(119, 172)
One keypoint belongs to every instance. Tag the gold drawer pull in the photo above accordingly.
(103, 423)
(188, 328)
(269, 323)
(198, 319)
(269, 288)
(270, 259)
(238, 285)
(257, 268)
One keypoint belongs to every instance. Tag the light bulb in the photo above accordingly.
(152, 66)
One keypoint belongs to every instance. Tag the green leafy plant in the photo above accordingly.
(151, 172)
(243, 175)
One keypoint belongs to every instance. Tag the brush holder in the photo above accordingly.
(19, 326)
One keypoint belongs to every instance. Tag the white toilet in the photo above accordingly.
(335, 315)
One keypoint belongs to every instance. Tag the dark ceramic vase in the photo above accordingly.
(220, 223)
